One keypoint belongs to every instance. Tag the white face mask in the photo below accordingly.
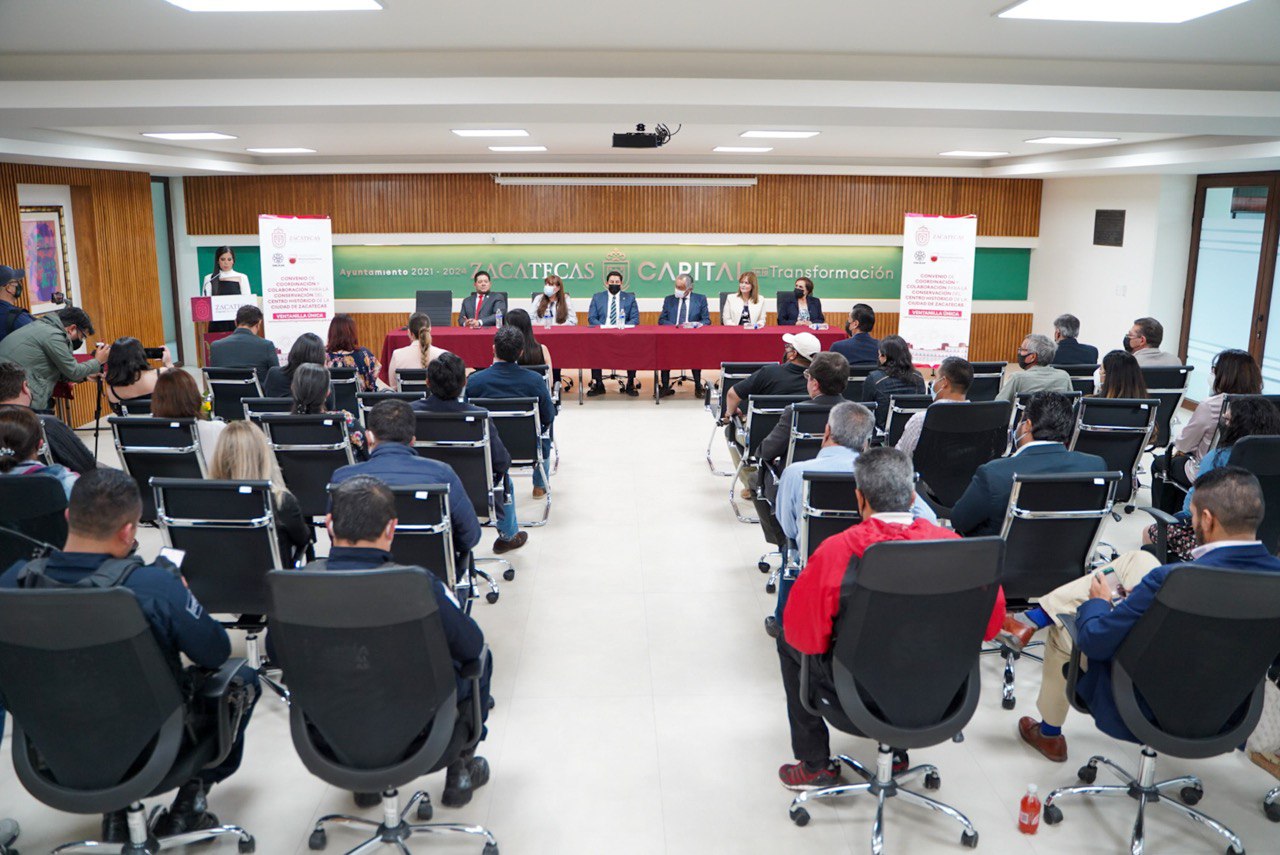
(550, 291)
(679, 293)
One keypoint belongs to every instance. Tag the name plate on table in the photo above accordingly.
(224, 308)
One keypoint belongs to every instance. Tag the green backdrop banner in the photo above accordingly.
(866, 272)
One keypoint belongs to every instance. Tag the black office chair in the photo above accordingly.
(715, 400)
(257, 406)
(374, 702)
(1118, 430)
(424, 537)
(1226, 406)
(1081, 377)
(901, 409)
(724, 296)
(1188, 682)
(366, 401)
(808, 423)
(157, 448)
(437, 305)
(345, 386)
(210, 520)
(139, 406)
(545, 372)
(763, 412)
(955, 440)
(59, 649)
(987, 378)
(930, 603)
(33, 517)
(228, 386)
(857, 378)
(309, 450)
(1168, 385)
(411, 380)
(828, 506)
(1024, 398)
(1050, 531)
(519, 426)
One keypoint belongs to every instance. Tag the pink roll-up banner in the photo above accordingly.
(937, 286)
(297, 276)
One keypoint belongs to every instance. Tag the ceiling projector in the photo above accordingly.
(656, 138)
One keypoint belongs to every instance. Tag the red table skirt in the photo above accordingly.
(647, 348)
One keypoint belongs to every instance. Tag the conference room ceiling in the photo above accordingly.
(888, 85)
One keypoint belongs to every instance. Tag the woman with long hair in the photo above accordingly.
(310, 391)
(307, 348)
(419, 352)
(128, 373)
(224, 280)
(177, 397)
(553, 303)
(20, 436)
(1120, 376)
(895, 376)
(533, 352)
(345, 352)
(243, 454)
(744, 307)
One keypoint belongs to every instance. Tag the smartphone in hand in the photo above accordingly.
(1108, 575)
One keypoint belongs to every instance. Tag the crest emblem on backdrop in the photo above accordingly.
(617, 260)
(278, 238)
(922, 236)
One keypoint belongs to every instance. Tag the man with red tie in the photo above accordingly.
(482, 308)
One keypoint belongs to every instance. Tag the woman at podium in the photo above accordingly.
(222, 281)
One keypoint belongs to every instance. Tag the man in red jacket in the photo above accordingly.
(886, 489)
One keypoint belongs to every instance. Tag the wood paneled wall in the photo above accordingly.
(778, 204)
(115, 249)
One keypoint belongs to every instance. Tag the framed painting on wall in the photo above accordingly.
(44, 256)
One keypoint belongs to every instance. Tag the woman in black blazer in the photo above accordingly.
(805, 309)
(895, 376)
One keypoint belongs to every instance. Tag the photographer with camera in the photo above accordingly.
(128, 372)
(47, 348)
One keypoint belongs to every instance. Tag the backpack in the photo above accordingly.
(113, 573)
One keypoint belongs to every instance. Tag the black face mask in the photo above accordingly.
(17, 289)
(614, 287)
(1022, 361)
(801, 293)
(1128, 347)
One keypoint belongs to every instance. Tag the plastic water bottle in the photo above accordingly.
(1029, 811)
(547, 318)
(497, 317)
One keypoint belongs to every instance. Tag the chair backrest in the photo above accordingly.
(1051, 528)
(1118, 430)
(829, 506)
(987, 377)
(60, 647)
(763, 412)
(157, 448)
(519, 426)
(33, 508)
(258, 406)
(1167, 384)
(368, 666)
(437, 305)
(368, 400)
(139, 406)
(411, 380)
(424, 530)
(1198, 657)
(1261, 456)
(211, 520)
(857, 379)
(544, 371)
(929, 602)
(309, 450)
(808, 423)
(734, 372)
(228, 386)
(781, 297)
(1081, 376)
(724, 296)
(461, 440)
(955, 440)
(901, 409)
(344, 385)
(1023, 398)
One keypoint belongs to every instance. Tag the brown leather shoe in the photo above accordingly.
(539, 492)
(1052, 747)
(1015, 633)
(500, 546)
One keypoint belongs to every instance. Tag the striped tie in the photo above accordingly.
(613, 310)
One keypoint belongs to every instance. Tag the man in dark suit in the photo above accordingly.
(683, 307)
(860, 348)
(1041, 439)
(447, 378)
(612, 307)
(245, 347)
(481, 308)
(1066, 328)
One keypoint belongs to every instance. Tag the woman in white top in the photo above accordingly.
(555, 301)
(222, 281)
(419, 352)
(745, 307)
(1234, 373)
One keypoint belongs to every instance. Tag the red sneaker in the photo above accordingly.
(795, 776)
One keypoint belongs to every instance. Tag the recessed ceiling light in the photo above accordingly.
(483, 132)
(1072, 140)
(778, 135)
(282, 150)
(188, 135)
(517, 148)
(742, 149)
(1118, 11)
(278, 5)
(963, 153)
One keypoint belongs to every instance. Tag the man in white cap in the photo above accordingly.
(12, 316)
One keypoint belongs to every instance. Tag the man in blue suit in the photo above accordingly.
(1066, 332)
(1041, 439)
(612, 307)
(683, 307)
(860, 348)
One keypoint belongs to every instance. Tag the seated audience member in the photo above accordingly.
(362, 525)
(64, 445)
(805, 310)
(885, 494)
(950, 386)
(176, 397)
(612, 307)
(1143, 341)
(46, 350)
(243, 454)
(20, 448)
(746, 307)
(506, 378)
(1035, 358)
(786, 378)
(1041, 439)
(1066, 335)
(12, 317)
(344, 351)
(103, 526)
(393, 460)
(128, 374)
(447, 379)
(683, 307)
(553, 304)
(825, 379)
(1251, 416)
(481, 309)
(1120, 376)
(307, 348)
(1226, 512)
(311, 391)
(419, 352)
(245, 347)
(533, 352)
(895, 376)
(860, 348)
(1234, 373)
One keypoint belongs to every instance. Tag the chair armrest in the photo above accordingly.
(473, 669)
(1068, 622)
(218, 683)
(228, 707)
(473, 672)
(1161, 540)
(1161, 518)
(1073, 665)
(804, 687)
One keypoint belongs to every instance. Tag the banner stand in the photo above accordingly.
(937, 286)
(297, 277)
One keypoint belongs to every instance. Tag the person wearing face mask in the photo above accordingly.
(1143, 341)
(1035, 358)
(12, 316)
(612, 307)
(553, 303)
(683, 307)
(805, 309)
(481, 309)
(46, 349)
(744, 307)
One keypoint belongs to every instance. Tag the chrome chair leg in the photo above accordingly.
(1233, 840)
(1271, 805)
(936, 806)
(733, 497)
(717, 430)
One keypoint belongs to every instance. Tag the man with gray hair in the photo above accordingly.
(1066, 332)
(1035, 358)
(683, 307)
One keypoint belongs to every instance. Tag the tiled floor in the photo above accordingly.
(640, 708)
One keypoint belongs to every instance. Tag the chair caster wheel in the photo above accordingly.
(1087, 773)
(799, 816)
(932, 781)
(247, 845)
(491, 597)
(958, 738)
(1272, 811)
(425, 810)
(1008, 703)
(490, 849)
(1052, 814)
(318, 840)
(969, 839)
(762, 566)
(509, 573)
(771, 588)
(1191, 795)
